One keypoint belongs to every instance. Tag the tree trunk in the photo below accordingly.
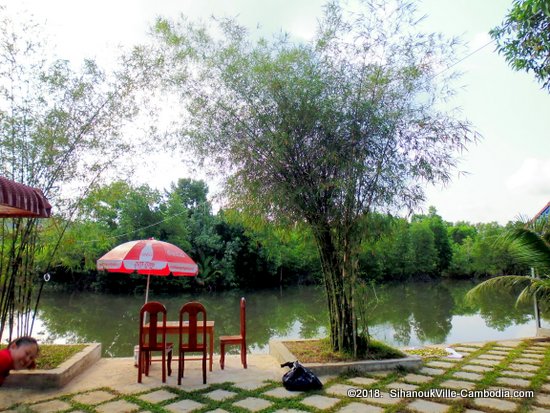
(337, 284)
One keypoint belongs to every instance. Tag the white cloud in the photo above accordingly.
(532, 177)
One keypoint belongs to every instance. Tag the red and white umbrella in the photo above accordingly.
(148, 257)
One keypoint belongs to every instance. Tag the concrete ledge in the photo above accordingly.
(281, 353)
(58, 377)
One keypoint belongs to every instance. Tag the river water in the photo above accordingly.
(407, 314)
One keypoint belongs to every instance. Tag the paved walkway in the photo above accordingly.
(506, 376)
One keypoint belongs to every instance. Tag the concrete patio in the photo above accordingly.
(506, 371)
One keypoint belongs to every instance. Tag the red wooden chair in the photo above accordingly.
(236, 340)
(149, 342)
(194, 311)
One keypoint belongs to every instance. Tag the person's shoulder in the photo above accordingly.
(6, 360)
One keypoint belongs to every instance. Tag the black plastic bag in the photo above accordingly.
(299, 378)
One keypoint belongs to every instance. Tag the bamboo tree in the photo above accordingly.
(59, 128)
(322, 132)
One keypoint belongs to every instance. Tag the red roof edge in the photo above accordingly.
(18, 200)
(538, 214)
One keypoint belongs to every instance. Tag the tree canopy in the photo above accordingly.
(321, 132)
(524, 38)
(60, 129)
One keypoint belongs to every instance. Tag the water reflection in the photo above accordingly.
(403, 315)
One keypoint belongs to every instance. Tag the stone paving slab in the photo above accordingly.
(508, 343)
(363, 381)
(289, 411)
(333, 399)
(457, 384)
(431, 371)
(468, 376)
(94, 397)
(384, 399)
(527, 360)
(355, 407)
(462, 349)
(339, 390)
(425, 406)
(476, 368)
(484, 362)
(50, 407)
(491, 357)
(499, 352)
(254, 404)
(282, 393)
(417, 378)
(543, 399)
(402, 386)
(502, 388)
(515, 373)
(158, 396)
(531, 356)
(500, 405)
(184, 406)
(474, 346)
(523, 367)
(534, 349)
(220, 394)
(119, 406)
(250, 385)
(320, 402)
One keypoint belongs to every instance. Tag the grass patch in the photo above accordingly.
(427, 352)
(320, 351)
(53, 355)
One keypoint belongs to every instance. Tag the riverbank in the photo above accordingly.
(501, 376)
(407, 314)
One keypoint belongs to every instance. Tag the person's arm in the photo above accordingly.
(6, 363)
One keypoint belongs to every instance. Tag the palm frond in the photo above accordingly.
(530, 247)
(502, 283)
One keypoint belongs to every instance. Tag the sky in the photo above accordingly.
(503, 177)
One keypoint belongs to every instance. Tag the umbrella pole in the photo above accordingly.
(147, 289)
(146, 296)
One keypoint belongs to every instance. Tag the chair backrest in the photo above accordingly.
(153, 308)
(243, 317)
(194, 309)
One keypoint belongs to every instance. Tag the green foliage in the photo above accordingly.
(229, 253)
(52, 355)
(324, 132)
(60, 131)
(234, 249)
(423, 249)
(427, 352)
(531, 245)
(524, 38)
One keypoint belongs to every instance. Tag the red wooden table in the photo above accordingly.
(173, 328)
